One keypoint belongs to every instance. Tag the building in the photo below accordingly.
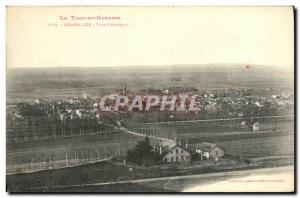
(244, 124)
(207, 150)
(124, 89)
(255, 126)
(176, 154)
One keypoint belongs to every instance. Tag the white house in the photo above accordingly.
(256, 126)
(207, 150)
(176, 154)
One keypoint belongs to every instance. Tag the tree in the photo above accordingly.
(143, 154)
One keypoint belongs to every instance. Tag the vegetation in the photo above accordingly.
(143, 154)
(45, 181)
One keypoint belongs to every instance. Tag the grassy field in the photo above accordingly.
(61, 180)
(272, 138)
(83, 147)
(234, 139)
(264, 146)
(239, 141)
(245, 150)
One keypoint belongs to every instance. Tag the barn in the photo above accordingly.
(176, 154)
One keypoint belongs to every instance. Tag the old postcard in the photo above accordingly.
(150, 99)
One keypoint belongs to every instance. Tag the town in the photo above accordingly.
(213, 104)
(144, 129)
(133, 130)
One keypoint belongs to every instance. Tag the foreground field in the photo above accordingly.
(243, 150)
(274, 139)
(48, 154)
(114, 177)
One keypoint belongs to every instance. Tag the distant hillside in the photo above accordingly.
(35, 82)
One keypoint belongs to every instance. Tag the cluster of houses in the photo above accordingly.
(228, 102)
(254, 125)
(203, 150)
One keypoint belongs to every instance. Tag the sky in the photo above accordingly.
(151, 36)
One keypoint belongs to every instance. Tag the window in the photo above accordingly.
(181, 151)
(171, 152)
(166, 160)
(172, 159)
(176, 159)
(182, 158)
(176, 150)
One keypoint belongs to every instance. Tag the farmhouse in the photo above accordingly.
(176, 154)
(255, 126)
(207, 150)
(244, 124)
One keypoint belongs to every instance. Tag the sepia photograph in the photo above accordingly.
(150, 99)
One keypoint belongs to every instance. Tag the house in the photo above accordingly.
(207, 150)
(244, 124)
(255, 126)
(176, 154)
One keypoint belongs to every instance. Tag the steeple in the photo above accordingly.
(124, 90)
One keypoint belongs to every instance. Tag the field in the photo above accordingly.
(58, 83)
(273, 138)
(263, 146)
(47, 154)
(68, 151)
(78, 179)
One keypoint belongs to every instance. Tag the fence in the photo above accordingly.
(35, 161)
(58, 164)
